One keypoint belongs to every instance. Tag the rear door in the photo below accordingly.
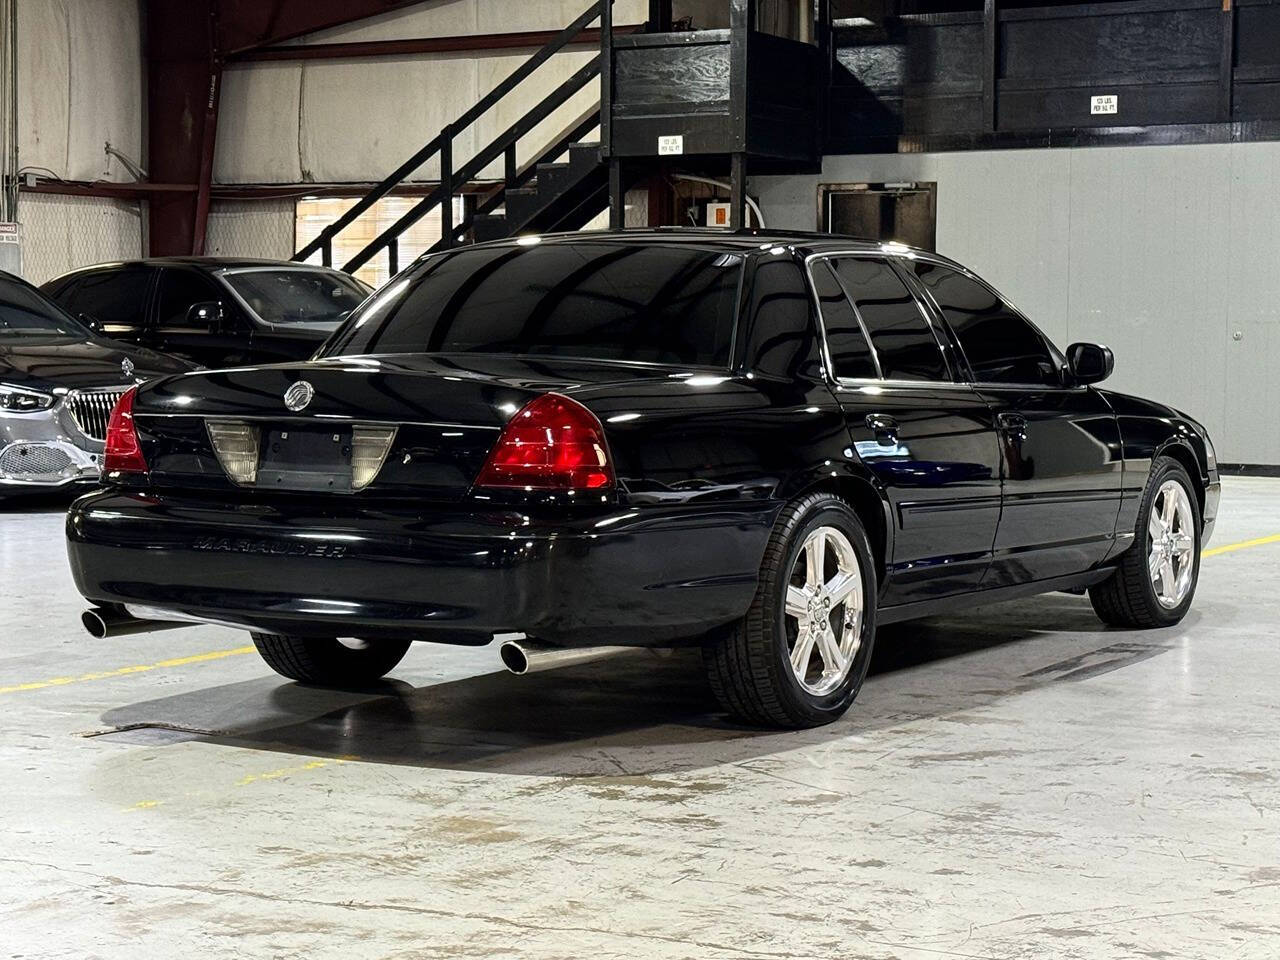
(930, 440)
(1060, 444)
(197, 319)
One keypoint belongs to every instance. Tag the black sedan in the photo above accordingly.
(58, 384)
(213, 311)
(765, 445)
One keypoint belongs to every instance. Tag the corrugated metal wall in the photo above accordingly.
(1163, 253)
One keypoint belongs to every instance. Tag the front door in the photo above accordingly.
(1062, 462)
(930, 442)
(195, 319)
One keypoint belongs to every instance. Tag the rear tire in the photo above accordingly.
(1131, 598)
(751, 667)
(329, 662)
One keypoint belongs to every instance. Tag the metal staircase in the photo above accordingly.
(539, 195)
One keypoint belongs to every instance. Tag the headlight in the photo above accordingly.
(21, 400)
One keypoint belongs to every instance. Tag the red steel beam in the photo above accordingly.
(481, 42)
(248, 24)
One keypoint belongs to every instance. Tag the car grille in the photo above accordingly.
(91, 410)
(21, 461)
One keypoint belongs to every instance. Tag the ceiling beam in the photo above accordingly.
(249, 24)
(478, 42)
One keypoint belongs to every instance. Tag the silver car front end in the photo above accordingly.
(59, 445)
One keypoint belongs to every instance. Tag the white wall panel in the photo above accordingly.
(362, 119)
(62, 233)
(357, 120)
(251, 228)
(79, 86)
(1163, 253)
(258, 125)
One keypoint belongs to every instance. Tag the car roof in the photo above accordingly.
(741, 241)
(200, 263)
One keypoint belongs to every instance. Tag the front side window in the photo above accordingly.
(901, 336)
(590, 299)
(180, 290)
(298, 296)
(850, 355)
(1000, 345)
(117, 299)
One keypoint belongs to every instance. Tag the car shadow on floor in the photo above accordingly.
(645, 714)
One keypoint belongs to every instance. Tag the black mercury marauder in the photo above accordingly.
(763, 444)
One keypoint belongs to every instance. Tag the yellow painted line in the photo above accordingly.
(1229, 547)
(288, 771)
(125, 671)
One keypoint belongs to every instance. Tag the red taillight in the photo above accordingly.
(553, 443)
(123, 452)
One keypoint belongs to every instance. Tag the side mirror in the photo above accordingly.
(93, 323)
(207, 314)
(1090, 362)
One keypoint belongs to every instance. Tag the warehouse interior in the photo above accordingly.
(1015, 780)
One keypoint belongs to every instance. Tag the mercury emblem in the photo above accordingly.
(299, 395)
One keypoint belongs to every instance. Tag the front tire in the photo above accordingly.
(799, 656)
(1156, 579)
(329, 662)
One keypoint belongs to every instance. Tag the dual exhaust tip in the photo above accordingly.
(521, 657)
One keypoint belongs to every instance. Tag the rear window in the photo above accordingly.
(611, 301)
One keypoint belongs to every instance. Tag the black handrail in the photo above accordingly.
(449, 182)
(442, 144)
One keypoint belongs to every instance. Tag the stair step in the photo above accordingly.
(584, 155)
(490, 226)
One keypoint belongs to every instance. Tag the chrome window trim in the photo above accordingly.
(886, 255)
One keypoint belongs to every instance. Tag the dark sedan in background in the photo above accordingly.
(215, 312)
(763, 444)
(58, 384)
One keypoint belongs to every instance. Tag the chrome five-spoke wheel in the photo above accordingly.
(1171, 543)
(824, 611)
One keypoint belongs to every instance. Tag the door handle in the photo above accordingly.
(884, 428)
(1014, 425)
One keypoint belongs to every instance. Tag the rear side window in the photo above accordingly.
(1000, 344)
(850, 355)
(782, 338)
(902, 338)
(597, 300)
(117, 299)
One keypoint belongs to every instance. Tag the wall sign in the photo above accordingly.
(1108, 103)
(670, 146)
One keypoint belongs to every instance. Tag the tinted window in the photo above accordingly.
(850, 355)
(902, 338)
(24, 313)
(1000, 345)
(623, 301)
(298, 296)
(179, 291)
(782, 339)
(117, 299)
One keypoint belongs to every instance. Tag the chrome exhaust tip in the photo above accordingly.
(111, 621)
(532, 656)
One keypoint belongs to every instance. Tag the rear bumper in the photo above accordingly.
(452, 575)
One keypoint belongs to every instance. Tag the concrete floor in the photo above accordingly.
(1016, 782)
